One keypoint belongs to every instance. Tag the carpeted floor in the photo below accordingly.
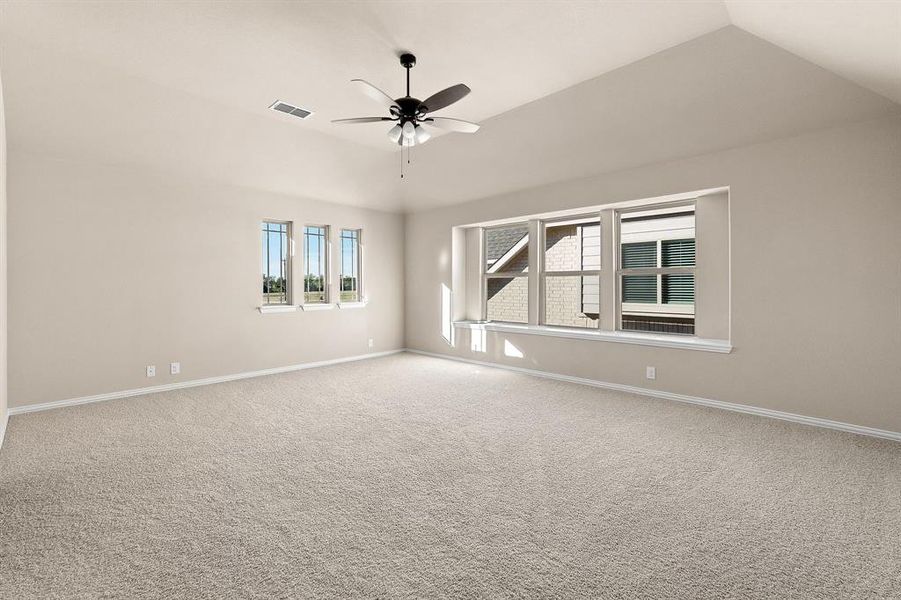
(414, 477)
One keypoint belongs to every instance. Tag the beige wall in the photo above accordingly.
(114, 268)
(712, 301)
(3, 267)
(816, 282)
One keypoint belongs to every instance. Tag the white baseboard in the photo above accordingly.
(742, 408)
(18, 410)
(4, 420)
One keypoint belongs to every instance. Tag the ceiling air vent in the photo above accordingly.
(290, 109)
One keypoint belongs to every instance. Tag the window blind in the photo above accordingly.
(678, 253)
(640, 288)
(679, 289)
(639, 254)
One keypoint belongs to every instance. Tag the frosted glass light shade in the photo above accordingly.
(422, 136)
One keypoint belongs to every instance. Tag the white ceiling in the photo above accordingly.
(184, 87)
(248, 54)
(858, 39)
(724, 90)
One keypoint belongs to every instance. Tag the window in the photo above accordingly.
(657, 270)
(610, 273)
(350, 290)
(506, 251)
(315, 264)
(276, 263)
(570, 274)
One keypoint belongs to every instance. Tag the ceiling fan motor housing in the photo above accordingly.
(409, 107)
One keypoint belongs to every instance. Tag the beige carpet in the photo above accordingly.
(413, 477)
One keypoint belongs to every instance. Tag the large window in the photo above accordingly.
(506, 270)
(570, 272)
(276, 263)
(315, 264)
(657, 270)
(350, 283)
(629, 269)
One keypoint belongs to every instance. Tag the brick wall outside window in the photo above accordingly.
(566, 298)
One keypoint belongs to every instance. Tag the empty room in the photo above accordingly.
(450, 299)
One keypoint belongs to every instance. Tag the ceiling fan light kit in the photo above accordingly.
(394, 133)
(411, 116)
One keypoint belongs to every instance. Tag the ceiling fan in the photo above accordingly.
(412, 117)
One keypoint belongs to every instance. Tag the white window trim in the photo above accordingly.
(682, 342)
(317, 306)
(268, 309)
(361, 304)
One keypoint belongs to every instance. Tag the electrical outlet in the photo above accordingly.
(371, 343)
(651, 373)
(175, 368)
(151, 370)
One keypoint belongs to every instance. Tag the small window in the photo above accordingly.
(506, 274)
(315, 262)
(657, 270)
(276, 263)
(350, 288)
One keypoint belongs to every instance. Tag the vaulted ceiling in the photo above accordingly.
(563, 89)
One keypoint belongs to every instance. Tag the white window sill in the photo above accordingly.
(316, 306)
(267, 309)
(353, 304)
(622, 337)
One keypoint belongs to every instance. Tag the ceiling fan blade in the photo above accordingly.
(458, 125)
(374, 93)
(363, 120)
(445, 97)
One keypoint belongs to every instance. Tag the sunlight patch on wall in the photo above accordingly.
(478, 341)
(447, 323)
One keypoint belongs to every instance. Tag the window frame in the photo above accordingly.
(610, 278)
(325, 262)
(658, 271)
(712, 335)
(486, 275)
(359, 263)
(289, 255)
(543, 273)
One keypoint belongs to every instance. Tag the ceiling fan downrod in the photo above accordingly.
(408, 61)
